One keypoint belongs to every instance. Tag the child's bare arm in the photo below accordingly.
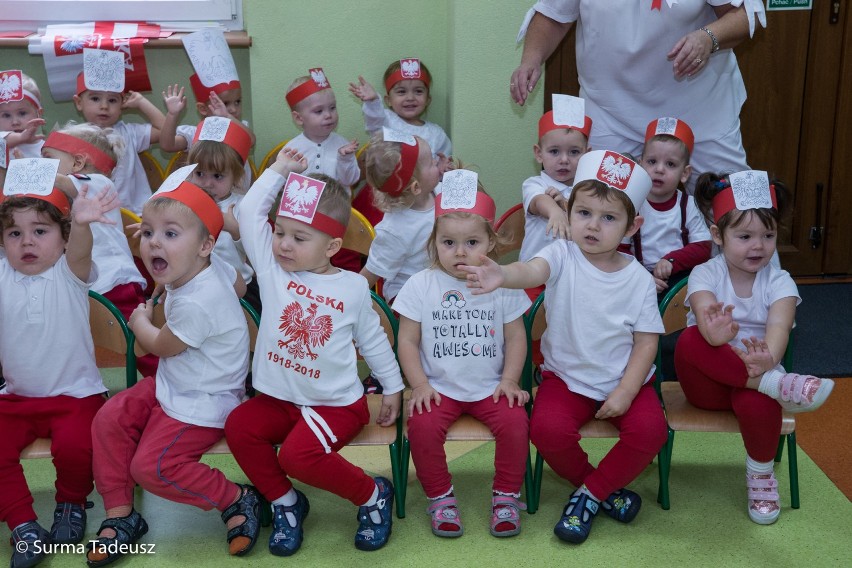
(151, 113)
(85, 211)
(408, 349)
(515, 355)
(26, 136)
(151, 339)
(371, 278)
(641, 357)
(363, 90)
(546, 207)
(175, 102)
(489, 275)
(64, 184)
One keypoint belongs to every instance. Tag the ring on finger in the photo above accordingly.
(698, 61)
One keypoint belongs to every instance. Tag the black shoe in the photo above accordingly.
(27, 542)
(69, 523)
(622, 505)
(248, 505)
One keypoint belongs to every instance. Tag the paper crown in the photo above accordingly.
(4, 153)
(742, 191)
(460, 193)
(202, 91)
(35, 177)
(316, 83)
(212, 61)
(74, 146)
(103, 70)
(409, 68)
(12, 88)
(227, 131)
(300, 201)
(409, 152)
(546, 124)
(671, 127)
(617, 171)
(199, 201)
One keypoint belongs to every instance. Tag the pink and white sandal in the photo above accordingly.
(764, 502)
(506, 509)
(445, 512)
(803, 393)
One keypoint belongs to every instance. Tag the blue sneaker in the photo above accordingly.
(372, 536)
(576, 522)
(25, 553)
(622, 505)
(286, 540)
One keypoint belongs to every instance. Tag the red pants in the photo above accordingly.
(136, 442)
(67, 421)
(126, 297)
(714, 378)
(557, 417)
(427, 433)
(255, 427)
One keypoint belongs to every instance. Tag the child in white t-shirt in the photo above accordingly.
(464, 354)
(603, 325)
(154, 433)
(20, 114)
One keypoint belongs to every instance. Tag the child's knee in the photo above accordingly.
(143, 470)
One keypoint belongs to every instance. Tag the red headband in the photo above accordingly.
(484, 207)
(74, 146)
(724, 201)
(408, 69)
(235, 136)
(324, 223)
(546, 124)
(316, 83)
(671, 127)
(55, 198)
(202, 91)
(401, 175)
(199, 202)
(300, 202)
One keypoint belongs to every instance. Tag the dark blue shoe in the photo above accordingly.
(576, 522)
(622, 505)
(286, 540)
(372, 536)
(25, 553)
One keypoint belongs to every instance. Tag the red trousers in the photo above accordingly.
(714, 378)
(255, 427)
(126, 297)
(67, 421)
(427, 433)
(555, 425)
(136, 442)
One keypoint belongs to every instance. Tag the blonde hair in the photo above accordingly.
(29, 84)
(217, 157)
(380, 163)
(104, 139)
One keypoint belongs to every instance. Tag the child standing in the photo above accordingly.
(674, 237)
(742, 309)
(20, 114)
(402, 169)
(598, 361)
(54, 391)
(451, 376)
(309, 399)
(155, 432)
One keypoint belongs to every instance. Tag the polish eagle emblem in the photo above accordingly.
(10, 87)
(305, 330)
(615, 170)
(300, 195)
(410, 68)
(318, 75)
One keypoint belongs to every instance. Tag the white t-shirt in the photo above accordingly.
(461, 335)
(399, 249)
(323, 158)
(770, 285)
(591, 318)
(535, 226)
(312, 323)
(204, 383)
(110, 250)
(46, 346)
(227, 248)
(661, 230)
(188, 133)
(129, 175)
(376, 116)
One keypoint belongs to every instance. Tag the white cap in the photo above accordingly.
(617, 171)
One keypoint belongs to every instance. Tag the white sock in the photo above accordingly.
(375, 516)
(584, 489)
(770, 383)
(754, 467)
(288, 500)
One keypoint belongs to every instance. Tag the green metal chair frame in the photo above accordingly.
(129, 338)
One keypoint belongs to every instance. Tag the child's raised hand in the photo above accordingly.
(484, 278)
(757, 357)
(174, 99)
(512, 392)
(558, 226)
(422, 397)
(363, 90)
(289, 160)
(616, 404)
(144, 311)
(445, 163)
(348, 149)
(217, 107)
(131, 99)
(719, 323)
(85, 210)
(389, 411)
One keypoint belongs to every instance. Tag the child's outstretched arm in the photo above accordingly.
(151, 339)
(85, 211)
(26, 136)
(489, 276)
(374, 113)
(641, 357)
(154, 115)
(175, 102)
(515, 355)
(408, 349)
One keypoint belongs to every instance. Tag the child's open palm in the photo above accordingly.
(87, 210)
(217, 106)
(484, 278)
(757, 357)
(174, 98)
(348, 149)
(363, 90)
(719, 323)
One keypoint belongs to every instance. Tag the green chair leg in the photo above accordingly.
(405, 458)
(792, 458)
(537, 479)
(665, 464)
(529, 487)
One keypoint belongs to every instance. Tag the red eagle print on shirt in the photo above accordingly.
(304, 330)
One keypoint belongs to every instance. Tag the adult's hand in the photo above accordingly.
(542, 37)
(523, 81)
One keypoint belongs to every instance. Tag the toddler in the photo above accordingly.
(20, 114)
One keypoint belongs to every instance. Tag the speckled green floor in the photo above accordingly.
(706, 526)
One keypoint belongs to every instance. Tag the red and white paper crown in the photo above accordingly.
(409, 152)
(742, 191)
(225, 130)
(317, 82)
(546, 124)
(35, 177)
(409, 68)
(460, 193)
(74, 146)
(568, 112)
(671, 127)
(213, 63)
(617, 171)
(300, 201)
(12, 89)
(199, 201)
(103, 70)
